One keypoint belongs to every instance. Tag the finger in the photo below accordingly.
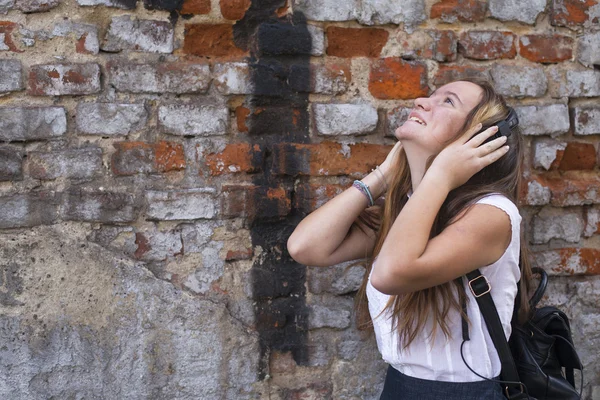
(478, 139)
(470, 132)
(494, 156)
(489, 147)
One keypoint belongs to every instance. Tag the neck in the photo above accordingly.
(417, 161)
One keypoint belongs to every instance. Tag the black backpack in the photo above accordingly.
(537, 352)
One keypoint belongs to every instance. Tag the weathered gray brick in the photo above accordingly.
(589, 49)
(381, 12)
(327, 79)
(317, 38)
(587, 120)
(344, 119)
(193, 120)
(11, 163)
(89, 32)
(327, 10)
(154, 245)
(338, 279)
(546, 151)
(110, 118)
(27, 210)
(168, 77)
(124, 4)
(544, 120)
(72, 163)
(395, 118)
(592, 221)
(537, 194)
(583, 83)
(129, 33)
(329, 312)
(556, 223)
(181, 204)
(98, 206)
(519, 81)
(64, 79)
(233, 78)
(6, 6)
(31, 123)
(10, 75)
(515, 10)
(31, 6)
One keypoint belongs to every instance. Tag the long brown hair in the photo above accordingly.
(411, 311)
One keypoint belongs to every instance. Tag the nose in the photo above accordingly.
(422, 102)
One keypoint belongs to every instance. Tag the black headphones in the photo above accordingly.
(504, 126)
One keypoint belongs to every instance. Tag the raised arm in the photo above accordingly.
(331, 234)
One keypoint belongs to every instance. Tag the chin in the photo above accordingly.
(403, 132)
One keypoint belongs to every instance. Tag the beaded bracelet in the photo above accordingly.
(364, 189)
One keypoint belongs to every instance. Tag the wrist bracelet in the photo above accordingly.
(364, 189)
(382, 178)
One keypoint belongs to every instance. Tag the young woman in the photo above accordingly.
(448, 195)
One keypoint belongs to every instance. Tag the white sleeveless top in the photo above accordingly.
(440, 360)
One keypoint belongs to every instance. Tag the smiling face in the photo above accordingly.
(436, 120)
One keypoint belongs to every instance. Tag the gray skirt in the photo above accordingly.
(399, 386)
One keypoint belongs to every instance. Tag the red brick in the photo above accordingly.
(355, 42)
(450, 73)
(581, 189)
(310, 196)
(443, 46)
(139, 157)
(394, 78)
(587, 261)
(210, 40)
(195, 7)
(7, 27)
(234, 9)
(251, 201)
(233, 255)
(236, 157)
(461, 10)
(327, 158)
(546, 48)
(241, 114)
(578, 156)
(487, 45)
(571, 12)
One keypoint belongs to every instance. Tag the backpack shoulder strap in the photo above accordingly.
(480, 287)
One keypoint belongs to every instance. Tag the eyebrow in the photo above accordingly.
(449, 94)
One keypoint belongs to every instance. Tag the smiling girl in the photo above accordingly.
(449, 194)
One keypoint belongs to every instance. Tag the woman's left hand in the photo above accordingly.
(462, 159)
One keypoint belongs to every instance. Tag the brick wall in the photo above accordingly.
(155, 155)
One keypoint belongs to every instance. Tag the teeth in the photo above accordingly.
(417, 120)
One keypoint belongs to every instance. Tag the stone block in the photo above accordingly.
(168, 77)
(338, 279)
(394, 78)
(450, 73)
(344, 119)
(317, 37)
(129, 33)
(546, 48)
(280, 39)
(592, 222)
(328, 78)
(537, 194)
(32, 123)
(184, 204)
(110, 119)
(64, 79)
(330, 312)
(155, 245)
(84, 163)
(33, 6)
(583, 83)
(10, 76)
(554, 223)
(93, 205)
(550, 120)
(233, 78)
(587, 120)
(548, 153)
(28, 210)
(327, 10)
(487, 45)
(193, 120)
(86, 35)
(147, 158)
(519, 81)
(574, 13)
(451, 11)
(513, 10)
(6, 6)
(355, 42)
(11, 163)
(207, 40)
(588, 47)
(123, 4)
(380, 12)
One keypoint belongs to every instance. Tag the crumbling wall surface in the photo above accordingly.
(156, 155)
